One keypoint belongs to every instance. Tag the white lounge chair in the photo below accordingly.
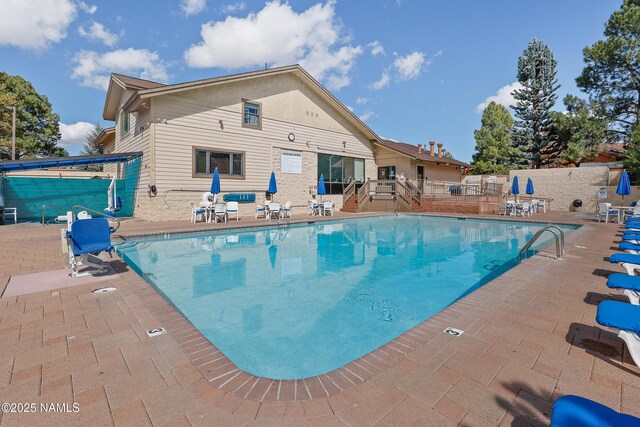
(232, 208)
(286, 209)
(220, 212)
(312, 207)
(327, 208)
(623, 319)
(196, 211)
(11, 212)
(274, 210)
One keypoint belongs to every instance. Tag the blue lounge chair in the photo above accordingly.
(86, 238)
(576, 411)
(623, 319)
(629, 284)
(630, 247)
(629, 262)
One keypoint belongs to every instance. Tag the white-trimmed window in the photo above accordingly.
(230, 164)
(251, 114)
(125, 123)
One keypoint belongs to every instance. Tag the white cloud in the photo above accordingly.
(278, 35)
(232, 7)
(384, 81)
(99, 32)
(192, 7)
(93, 69)
(367, 115)
(73, 135)
(35, 24)
(361, 100)
(376, 48)
(410, 66)
(90, 9)
(503, 96)
(349, 107)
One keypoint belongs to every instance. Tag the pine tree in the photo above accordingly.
(92, 148)
(494, 151)
(533, 129)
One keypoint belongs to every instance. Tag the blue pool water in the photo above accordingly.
(295, 302)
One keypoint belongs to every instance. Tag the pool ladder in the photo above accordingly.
(558, 234)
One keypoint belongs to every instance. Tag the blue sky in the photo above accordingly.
(413, 70)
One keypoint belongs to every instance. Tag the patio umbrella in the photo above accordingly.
(529, 189)
(515, 187)
(321, 187)
(273, 186)
(215, 183)
(624, 186)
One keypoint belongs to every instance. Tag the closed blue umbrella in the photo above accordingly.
(321, 187)
(624, 186)
(515, 186)
(529, 189)
(215, 183)
(273, 186)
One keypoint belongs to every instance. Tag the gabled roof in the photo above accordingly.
(412, 151)
(106, 135)
(136, 83)
(160, 89)
(118, 83)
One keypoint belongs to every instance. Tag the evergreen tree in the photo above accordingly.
(494, 151)
(37, 126)
(92, 148)
(533, 129)
(611, 77)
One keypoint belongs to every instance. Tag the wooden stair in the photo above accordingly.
(351, 204)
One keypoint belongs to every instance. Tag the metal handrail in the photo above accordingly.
(559, 238)
(99, 213)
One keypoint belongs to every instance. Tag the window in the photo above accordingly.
(252, 116)
(125, 123)
(387, 172)
(228, 164)
(339, 171)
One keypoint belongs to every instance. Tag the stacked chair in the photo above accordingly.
(622, 318)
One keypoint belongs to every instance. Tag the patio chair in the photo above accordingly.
(261, 211)
(534, 205)
(207, 199)
(196, 211)
(629, 285)
(627, 261)
(631, 214)
(623, 319)
(312, 207)
(542, 204)
(576, 411)
(505, 208)
(11, 212)
(220, 212)
(85, 239)
(604, 211)
(274, 210)
(523, 209)
(286, 209)
(232, 208)
(327, 208)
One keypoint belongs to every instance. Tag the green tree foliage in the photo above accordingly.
(494, 151)
(532, 132)
(447, 155)
(611, 77)
(91, 148)
(580, 130)
(37, 126)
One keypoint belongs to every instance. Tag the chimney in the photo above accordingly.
(419, 148)
(431, 144)
(439, 149)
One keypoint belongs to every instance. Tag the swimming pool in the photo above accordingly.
(294, 302)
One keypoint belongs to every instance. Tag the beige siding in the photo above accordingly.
(434, 171)
(110, 168)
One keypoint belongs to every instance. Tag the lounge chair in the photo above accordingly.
(220, 212)
(10, 212)
(624, 319)
(274, 210)
(630, 247)
(232, 208)
(286, 209)
(576, 411)
(627, 261)
(196, 211)
(85, 239)
(629, 284)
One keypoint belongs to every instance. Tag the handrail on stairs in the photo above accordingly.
(558, 236)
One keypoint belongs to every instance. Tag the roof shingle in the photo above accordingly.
(412, 151)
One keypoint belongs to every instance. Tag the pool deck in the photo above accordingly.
(530, 336)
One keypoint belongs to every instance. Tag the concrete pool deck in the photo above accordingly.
(530, 337)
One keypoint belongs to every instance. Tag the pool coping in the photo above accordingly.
(225, 375)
